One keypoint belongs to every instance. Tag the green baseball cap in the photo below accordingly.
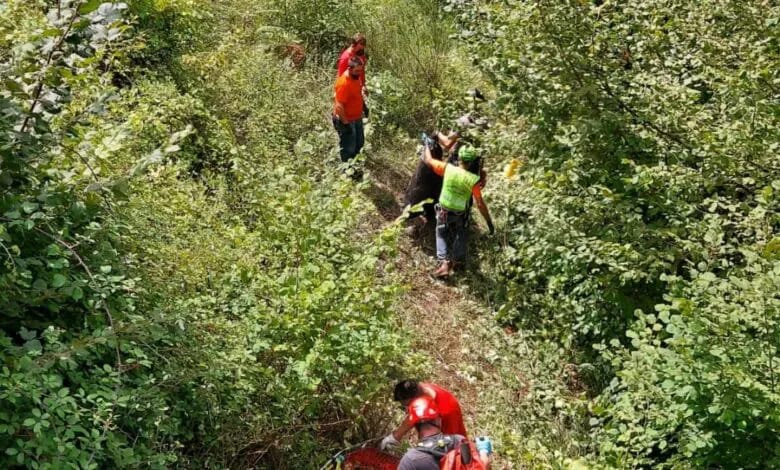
(468, 153)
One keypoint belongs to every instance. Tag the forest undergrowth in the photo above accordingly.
(190, 279)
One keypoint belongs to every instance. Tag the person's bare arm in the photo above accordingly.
(427, 156)
(401, 430)
(436, 165)
(483, 209)
(338, 110)
(447, 141)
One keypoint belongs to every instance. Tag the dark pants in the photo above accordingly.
(351, 138)
(451, 235)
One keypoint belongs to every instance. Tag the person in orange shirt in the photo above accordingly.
(348, 110)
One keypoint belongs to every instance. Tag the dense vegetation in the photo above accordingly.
(181, 281)
(189, 279)
(645, 223)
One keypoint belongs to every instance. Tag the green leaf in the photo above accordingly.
(13, 86)
(89, 7)
(27, 334)
(77, 293)
(772, 249)
(29, 207)
(58, 280)
(51, 33)
(33, 345)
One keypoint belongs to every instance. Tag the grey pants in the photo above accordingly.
(451, 235)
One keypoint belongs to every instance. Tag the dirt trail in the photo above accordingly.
(448, 323)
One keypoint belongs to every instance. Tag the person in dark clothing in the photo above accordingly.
(459, 186)
(425, 184)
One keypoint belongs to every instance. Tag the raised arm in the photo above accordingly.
(437, 166)
(448, 140)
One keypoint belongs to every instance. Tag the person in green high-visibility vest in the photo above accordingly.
(458, 187)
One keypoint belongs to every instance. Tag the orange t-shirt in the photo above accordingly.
(350, 94)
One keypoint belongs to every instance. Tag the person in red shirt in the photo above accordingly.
(348, 110)
(446, 403)
(356, 49)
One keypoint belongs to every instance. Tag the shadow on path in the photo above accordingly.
(384, 200)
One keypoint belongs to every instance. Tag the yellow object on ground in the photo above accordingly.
(510, 169)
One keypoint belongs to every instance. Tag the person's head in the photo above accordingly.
(467, 156)
(355, 67)
(423, 414)
(359, 43)
(406, 390)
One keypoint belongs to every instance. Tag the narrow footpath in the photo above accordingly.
(491, 370)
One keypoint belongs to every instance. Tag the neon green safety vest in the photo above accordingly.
(456, 188)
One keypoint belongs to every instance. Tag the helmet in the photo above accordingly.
(468, 153)
(422, 409)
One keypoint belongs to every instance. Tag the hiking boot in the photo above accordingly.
(444, 270)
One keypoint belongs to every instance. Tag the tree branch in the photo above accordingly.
(46, 64)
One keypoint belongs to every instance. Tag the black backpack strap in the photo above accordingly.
(437, 446)
(465, 452)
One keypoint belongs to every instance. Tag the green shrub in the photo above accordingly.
(651, 159)
(697, 387)
(178, 287)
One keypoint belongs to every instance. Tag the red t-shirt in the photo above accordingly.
(449, 409)
(343, 64)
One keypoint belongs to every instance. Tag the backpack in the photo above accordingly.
(462, 456)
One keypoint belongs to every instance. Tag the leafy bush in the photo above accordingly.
(323, 25)
(701, 376)
(651, 176)
(177, 287)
